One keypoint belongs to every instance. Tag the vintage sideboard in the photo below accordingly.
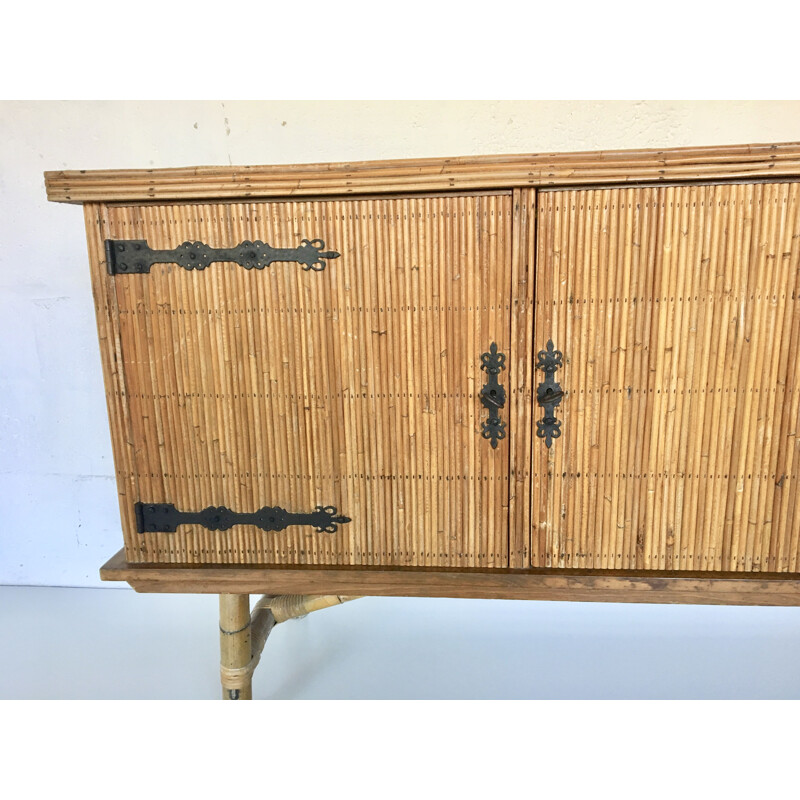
(561, 376)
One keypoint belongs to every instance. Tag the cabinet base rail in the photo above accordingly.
(605, 586)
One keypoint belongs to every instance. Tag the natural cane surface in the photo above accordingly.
(678, 313)
(183, 184)
(356, 386)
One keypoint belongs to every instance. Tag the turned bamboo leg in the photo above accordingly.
(235, 646)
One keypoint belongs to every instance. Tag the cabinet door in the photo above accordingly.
(676, 310)
(355, 386)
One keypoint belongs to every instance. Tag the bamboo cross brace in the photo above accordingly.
(243, 634)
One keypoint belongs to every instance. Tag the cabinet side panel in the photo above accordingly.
(676, 309)
(107, 314)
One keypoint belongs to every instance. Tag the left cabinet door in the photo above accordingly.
(303, 386)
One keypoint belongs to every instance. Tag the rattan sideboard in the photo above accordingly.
(566, 376)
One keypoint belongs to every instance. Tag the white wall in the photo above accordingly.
(59, 519)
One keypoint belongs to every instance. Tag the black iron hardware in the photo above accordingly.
(549, 394)
(493, 395)
(134, 256)
(165, 518)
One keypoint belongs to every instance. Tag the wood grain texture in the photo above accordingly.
(572, 585)
(357, 386)
(678, 313)
(431, 174)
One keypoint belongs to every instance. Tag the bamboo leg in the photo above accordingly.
(234, 645)
(242, 635)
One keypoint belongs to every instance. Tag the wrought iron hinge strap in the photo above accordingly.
(549, 394)
(135, 256)
(165, 518)
(493, 395)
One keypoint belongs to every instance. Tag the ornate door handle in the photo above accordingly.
(549, 394)
(493, 395)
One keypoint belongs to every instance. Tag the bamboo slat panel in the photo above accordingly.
(357, 386)
(755, 161)
(678, 313)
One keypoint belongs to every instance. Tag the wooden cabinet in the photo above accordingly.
(298, 362)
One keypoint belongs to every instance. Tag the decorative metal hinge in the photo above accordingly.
(165, 518)
(134, 256)
(493, 395)
(549, 394)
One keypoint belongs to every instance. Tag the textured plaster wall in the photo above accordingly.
(59, 517)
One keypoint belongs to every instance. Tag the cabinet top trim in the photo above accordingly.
(467, 173)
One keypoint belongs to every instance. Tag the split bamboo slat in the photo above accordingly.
(677, 310)
(356, 387)
(521, 380)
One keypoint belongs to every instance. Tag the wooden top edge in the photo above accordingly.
(489, 171)
(409, 164)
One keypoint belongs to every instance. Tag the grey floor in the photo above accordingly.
(116, 644)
